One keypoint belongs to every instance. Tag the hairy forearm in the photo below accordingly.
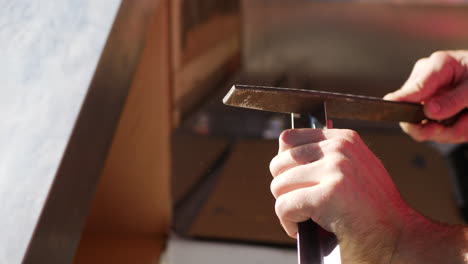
(418, 241)
(425, 241)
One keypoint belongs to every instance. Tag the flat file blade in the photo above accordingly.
(339, 106)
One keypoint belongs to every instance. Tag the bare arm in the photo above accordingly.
(332, 177)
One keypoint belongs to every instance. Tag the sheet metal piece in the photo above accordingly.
(339, 106)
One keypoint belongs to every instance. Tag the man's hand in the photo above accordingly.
(440, 82)
(331, 177)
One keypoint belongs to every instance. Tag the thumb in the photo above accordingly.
(447, 103)
(430, 75)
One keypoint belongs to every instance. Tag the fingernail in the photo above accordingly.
(434, 107)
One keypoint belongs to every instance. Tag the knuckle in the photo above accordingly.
(282, 208)
(420, 63)
(352, 135)
(344, 164)
(440, 59)
(340, 144)
(290, 207)
(308, 150)
(306, 154)
(336, 162)
(286, 136)
(440, 56)
(333, 146)
(339, 159)
(273, 166)
(281, 185)
(274, 188)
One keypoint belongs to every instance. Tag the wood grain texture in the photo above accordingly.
(130, 214)
(133, 193)
(65, 76)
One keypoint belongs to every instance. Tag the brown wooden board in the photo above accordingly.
(241, 206)
(132, 197)
(193, 157)
(130, 214)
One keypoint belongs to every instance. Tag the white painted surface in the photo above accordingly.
(48, 54)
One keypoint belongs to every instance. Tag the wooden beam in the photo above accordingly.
(133, 193)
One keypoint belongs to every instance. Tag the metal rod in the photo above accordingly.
(308, 241)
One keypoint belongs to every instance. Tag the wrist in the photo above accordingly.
(425, 241)
(378, 241)
(412, 239)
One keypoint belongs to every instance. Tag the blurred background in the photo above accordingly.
(220, 155)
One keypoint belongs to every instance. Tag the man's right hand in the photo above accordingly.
(440, 82)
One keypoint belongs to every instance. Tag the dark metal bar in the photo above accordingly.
(309, 249)
(341, 106)
(308, 243)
